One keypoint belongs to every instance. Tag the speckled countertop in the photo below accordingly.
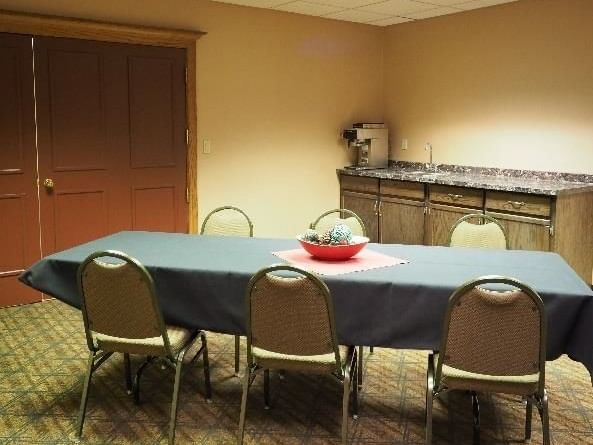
(522, 181)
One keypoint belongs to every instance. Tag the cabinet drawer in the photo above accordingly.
(359, 184)
(459, 196)
(519, 203)
(404, 189)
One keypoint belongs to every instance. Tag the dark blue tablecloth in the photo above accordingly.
(201, 282)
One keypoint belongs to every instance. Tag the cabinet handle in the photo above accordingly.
(454, 197)
(516, 204)
(380, 208)
(375, 208)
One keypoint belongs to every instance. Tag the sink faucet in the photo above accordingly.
(430, 165)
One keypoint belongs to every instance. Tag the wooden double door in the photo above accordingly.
(92, 141)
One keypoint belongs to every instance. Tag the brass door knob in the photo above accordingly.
(48, 183)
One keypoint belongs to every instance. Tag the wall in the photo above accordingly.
(506, 86)
(274, 91)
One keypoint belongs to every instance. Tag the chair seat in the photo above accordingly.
(178, 337)
(454, 378)
(308, 363)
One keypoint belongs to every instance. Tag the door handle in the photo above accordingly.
(48, 183)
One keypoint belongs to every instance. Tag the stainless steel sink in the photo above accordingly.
(426, 173)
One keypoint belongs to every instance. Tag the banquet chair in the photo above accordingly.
(487, 232)
(357, 226)
(228, 221)
(290, 326)
(493, 341)
(121, 314)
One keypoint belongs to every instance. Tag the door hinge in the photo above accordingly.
(187, 136)
(186, 75)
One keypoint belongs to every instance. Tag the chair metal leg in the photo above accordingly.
(136, 387)
(429, 398)
(246, 378)
(360, 365)
(175, 401)
(345, 399)
(371, 349)
(206, 367)
(476, 412)
(128, 372)
(543, 413)
(237, 354)
(266, 389)
(528, 411)
(354, 374)
(85, 395)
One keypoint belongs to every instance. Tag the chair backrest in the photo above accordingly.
(119, 299)
(499, 332)
(290, 311)
(488, 233)
(345, 216)
(227, 221)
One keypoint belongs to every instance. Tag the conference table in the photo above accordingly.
(201, 281)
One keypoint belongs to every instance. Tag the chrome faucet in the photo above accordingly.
(430, 165)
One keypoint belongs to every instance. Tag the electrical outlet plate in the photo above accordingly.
(404, 144)
(206, 146)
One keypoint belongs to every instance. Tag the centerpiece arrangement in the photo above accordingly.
(336, 243)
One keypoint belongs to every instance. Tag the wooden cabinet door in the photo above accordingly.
(19, 218)
(525, 233)
(401, 221)
(440, 220)
(365, 206)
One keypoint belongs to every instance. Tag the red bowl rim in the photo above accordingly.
(356, 238)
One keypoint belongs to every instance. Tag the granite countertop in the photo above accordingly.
(522, 181)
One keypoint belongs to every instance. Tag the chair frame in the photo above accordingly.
(435, 388)
(237, 209)
(486, 219)
(97, 356)
(345, 374)
(343, 212)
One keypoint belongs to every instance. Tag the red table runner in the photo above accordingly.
(364, 260)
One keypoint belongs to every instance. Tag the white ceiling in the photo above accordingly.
(373, 12)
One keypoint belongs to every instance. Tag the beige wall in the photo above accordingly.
(274, 91)
(506, 86)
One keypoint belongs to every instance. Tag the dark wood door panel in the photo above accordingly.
(19, 229)
(77, 134)
(149, 217)
(152, 113)
(79, 216)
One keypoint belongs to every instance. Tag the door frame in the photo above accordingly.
(53, 26)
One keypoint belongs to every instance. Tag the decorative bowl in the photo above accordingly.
(334, 252)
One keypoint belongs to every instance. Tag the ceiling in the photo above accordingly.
(372, 12)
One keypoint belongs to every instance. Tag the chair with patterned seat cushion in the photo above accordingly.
(327, 220)
(494, 340)
(228, 221)
(121, 314)
(290, 326)
(486, 233)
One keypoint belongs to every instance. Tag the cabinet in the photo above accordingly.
(407, 212)
(525, 218)
(393, 211)
(446, 205)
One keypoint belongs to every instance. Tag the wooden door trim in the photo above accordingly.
(65, 27)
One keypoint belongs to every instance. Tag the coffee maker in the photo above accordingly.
(371, 144)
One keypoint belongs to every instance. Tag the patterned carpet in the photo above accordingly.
(42, 363)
